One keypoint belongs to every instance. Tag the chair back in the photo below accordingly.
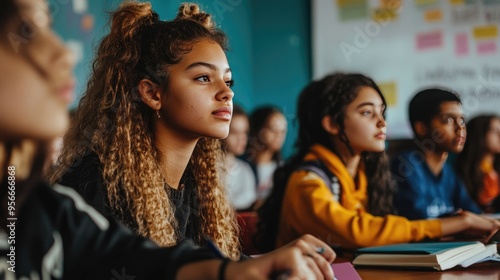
(247, 221)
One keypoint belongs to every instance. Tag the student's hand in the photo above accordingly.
(481, 223)
(304, 258)
(469, 224)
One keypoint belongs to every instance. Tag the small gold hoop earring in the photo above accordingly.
(158, 113)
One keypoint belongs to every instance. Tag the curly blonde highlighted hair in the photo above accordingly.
(114, 123)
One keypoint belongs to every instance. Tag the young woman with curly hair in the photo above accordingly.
(342, 132)
(58, 235)
(144, 147)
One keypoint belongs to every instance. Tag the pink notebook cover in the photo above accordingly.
(345, 271)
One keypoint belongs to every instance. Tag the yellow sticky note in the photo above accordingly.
(384, 14)
(457, 2)
(391, 4)
(425, 2)
(485, 32)
(343, 3)
(433, 15)
(390, 92)
(352, 9)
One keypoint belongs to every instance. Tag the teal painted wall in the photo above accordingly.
(68, 25)
(281, 57)
(269, 46)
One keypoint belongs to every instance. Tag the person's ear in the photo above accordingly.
(150, 94)
(420, 129)
(329, 125)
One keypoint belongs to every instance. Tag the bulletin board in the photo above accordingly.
(407, 45)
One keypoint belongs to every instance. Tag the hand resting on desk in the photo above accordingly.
(300, 259)
(469, 224)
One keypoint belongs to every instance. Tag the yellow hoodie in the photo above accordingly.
(309, 207)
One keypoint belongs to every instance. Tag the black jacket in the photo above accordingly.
(58, 236)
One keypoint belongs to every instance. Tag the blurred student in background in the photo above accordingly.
(268, 127)
(428, 187)
(338, 186)
(57, 235)
(479, 162)
(240, 179)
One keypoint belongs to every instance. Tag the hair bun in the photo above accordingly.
(192, 11)
(131, 16)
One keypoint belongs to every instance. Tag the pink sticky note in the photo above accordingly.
(461, 44)
(487, 47)
(429, 40)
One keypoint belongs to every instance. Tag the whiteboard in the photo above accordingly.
(409, 45)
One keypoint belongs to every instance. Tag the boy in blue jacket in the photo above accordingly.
(428, 187)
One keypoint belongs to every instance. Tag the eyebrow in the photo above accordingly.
(24, 7)
(452, 115)
(207, 65)
(369, 104)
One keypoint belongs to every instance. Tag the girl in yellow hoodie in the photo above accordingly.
(342, 130)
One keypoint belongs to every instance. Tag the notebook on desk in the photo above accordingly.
(435, 255)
